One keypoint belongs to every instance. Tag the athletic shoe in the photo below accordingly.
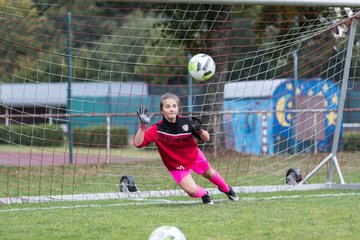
(231, 195)
(206, 199)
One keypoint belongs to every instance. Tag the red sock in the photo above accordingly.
(220, 182)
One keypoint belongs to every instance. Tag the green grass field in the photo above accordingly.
(312, 214)
(282, 215)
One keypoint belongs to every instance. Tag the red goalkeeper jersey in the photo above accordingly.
(175, 142)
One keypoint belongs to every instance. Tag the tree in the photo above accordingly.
(283, 24)
(36, 49)
(13, 15)
(211, 20)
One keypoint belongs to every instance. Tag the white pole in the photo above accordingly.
(344, 85)
(315, 133)
(108, 139)
(50, 116)
(7, 122)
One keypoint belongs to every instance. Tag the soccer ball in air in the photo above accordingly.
(201, 67)
(167, 233)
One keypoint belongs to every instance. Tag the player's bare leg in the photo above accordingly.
(195, 191)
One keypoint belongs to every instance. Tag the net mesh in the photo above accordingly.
(74, 74)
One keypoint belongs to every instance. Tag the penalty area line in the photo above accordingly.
(144, 201)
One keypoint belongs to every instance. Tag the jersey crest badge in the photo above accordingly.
(185, 127)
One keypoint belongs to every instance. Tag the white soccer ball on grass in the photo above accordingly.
(167, 233)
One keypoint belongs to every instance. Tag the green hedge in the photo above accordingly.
(32, 135)
(96, 137)
(352, 141)
(52, 135)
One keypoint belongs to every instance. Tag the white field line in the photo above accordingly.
(141, 202)
(167, 193)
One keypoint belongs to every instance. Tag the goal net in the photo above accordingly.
(282, 108)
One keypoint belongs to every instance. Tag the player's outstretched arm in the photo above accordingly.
(144, 117)
(139, 137)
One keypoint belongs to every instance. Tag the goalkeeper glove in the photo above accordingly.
(196, 124)
(143, 115)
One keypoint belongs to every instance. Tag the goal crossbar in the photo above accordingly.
(334, 3)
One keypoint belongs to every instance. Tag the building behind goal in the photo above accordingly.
(263, 117)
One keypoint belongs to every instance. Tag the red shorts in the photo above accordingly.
(200, 165)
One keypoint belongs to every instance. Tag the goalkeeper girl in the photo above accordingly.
(175, 137)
